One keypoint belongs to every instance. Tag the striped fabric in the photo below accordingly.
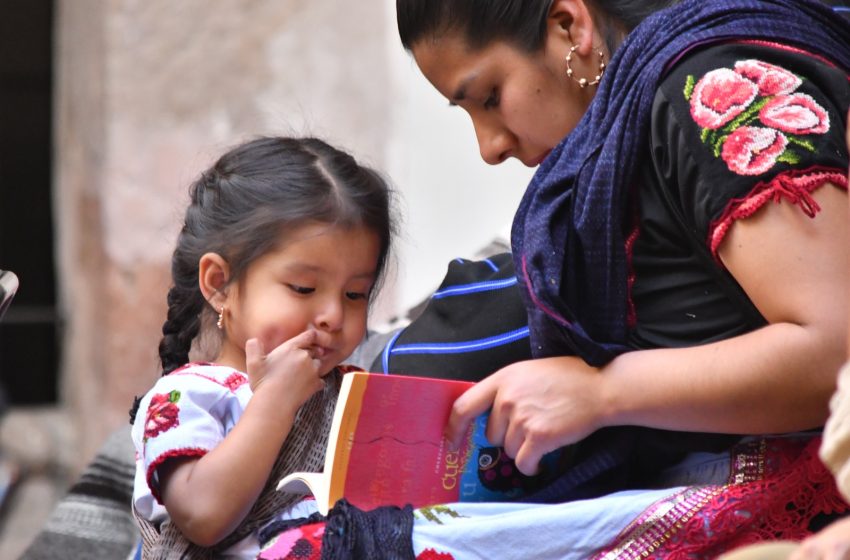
(474, 324)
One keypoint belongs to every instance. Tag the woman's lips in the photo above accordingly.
(539, 160)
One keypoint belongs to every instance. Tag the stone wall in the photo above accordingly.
(148, 92)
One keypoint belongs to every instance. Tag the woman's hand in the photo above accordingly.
(537, 407)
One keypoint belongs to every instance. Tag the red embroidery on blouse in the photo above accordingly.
(185, 452)
(232, 382)
(163, 414)
(794, 186)
(431, 554)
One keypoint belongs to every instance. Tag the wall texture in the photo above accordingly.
(150, 91)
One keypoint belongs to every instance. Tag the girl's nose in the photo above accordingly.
(330, 315)
(494, 142)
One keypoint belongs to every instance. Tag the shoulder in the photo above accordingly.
(210, 375)
(732, 118)
(194, 390)
(731, 95)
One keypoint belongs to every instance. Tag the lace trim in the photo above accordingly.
(776, 487)
(794, 186)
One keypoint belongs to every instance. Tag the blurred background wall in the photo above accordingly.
(140, 96)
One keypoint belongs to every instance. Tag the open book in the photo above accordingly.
(386, 447)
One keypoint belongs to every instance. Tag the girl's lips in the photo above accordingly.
(319, 352)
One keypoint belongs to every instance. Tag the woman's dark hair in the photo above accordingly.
(240, 207)
(519, 22)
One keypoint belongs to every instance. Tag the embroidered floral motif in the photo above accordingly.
(162, 414)
(433, 513)
(770, 79)
(795, 114)
(234, 381)
(720, 96)
(301, 543)
(431, 554)
(752, 150)
(751, 117)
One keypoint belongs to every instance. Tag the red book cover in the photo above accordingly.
(386, 447)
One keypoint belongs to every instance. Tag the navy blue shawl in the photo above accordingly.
(568, 236)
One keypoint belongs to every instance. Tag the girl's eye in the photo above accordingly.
(492, 100)
(300, 289)
(355, 295)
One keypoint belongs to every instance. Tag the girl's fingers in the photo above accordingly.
(303, 340)
(254, 361)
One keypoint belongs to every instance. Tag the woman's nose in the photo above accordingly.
(330, 315)
(494, 142)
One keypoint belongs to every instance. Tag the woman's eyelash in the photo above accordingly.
(300, 289)
(492, 99)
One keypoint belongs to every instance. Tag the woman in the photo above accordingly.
(682, 253)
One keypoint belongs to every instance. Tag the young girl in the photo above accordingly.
(283, 246)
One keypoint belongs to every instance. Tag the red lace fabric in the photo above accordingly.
(794, 186)
(776, 488)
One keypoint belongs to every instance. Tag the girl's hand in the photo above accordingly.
(831, 543)
(537, 407)
(291, 367)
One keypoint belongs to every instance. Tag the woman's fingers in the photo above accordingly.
(474, 402)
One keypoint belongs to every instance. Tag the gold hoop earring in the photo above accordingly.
(582, 82)
(220, 322)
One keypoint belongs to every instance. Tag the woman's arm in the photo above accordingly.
(208, 497)
(776, 379)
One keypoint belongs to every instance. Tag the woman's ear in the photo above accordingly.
(213, 276)
(570, 23)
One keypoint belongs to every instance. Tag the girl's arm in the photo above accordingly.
(776, 379)
(208, 497)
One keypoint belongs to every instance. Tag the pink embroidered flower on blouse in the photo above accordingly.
(162, 414)
(720, 96)
(234, 381)
(752, 150)
(795, 114)
(770, 79)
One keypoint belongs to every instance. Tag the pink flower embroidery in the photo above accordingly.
(795, 114)
(234, 381)
(720, 96)
(752, 150)
(162, 414)
(770, 79)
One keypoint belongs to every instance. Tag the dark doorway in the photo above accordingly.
(29, 352)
